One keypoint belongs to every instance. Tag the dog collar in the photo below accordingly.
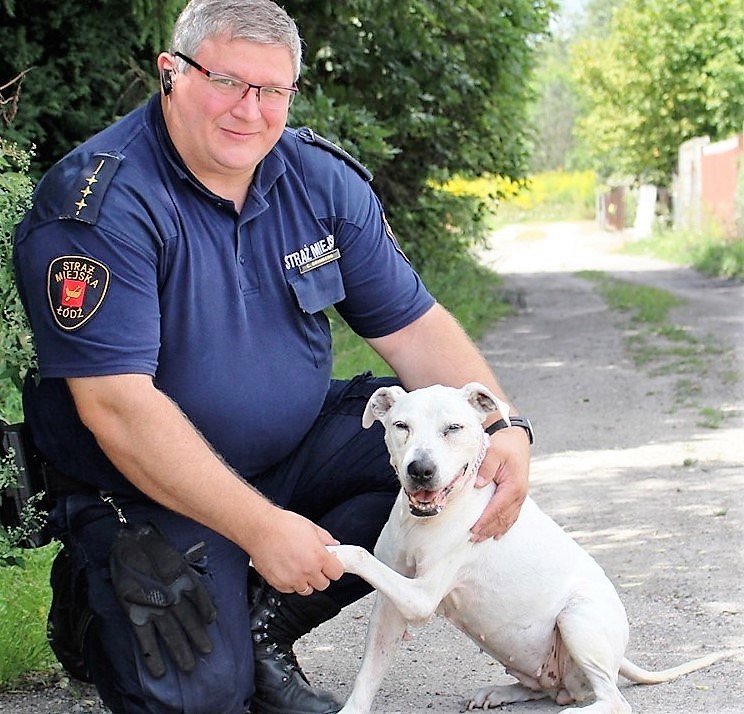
(524, 422)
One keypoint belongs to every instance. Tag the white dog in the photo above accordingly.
(533, 600)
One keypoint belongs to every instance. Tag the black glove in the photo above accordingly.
(161, 592)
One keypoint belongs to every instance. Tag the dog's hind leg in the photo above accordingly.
(386, 629)
(594, 633)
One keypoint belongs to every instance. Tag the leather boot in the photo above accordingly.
(277, 621)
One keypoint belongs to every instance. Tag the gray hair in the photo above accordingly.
(259, 21)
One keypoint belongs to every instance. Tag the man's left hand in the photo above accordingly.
(507, 464)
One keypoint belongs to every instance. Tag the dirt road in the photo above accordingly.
(644, 465)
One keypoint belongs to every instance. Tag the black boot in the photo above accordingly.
(277, 621)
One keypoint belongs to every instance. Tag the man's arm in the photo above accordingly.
(149, 439)
(434, 349)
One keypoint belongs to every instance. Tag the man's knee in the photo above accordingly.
(221, 681)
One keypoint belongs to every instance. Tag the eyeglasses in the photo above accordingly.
(236, 89)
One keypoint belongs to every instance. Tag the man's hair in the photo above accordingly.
(259, 21)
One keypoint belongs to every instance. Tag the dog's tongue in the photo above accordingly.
(423, 496)
(425, 503)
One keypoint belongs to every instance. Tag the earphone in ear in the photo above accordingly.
(166, 81)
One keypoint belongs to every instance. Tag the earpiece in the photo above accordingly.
(166, 81)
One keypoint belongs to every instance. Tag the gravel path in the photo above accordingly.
(626, 460)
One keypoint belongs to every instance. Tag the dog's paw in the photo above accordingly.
(487, 698)
(498, 695)
(351, 556)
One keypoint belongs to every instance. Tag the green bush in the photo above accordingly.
(16, 345)
(724, 259)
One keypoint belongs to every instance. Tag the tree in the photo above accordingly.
(666, 72)
(82, 64)
(424, 89)
(554, 112)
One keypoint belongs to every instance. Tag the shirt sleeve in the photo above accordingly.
(383, 291)
(92, 299)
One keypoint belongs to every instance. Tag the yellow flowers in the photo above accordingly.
(573, 192)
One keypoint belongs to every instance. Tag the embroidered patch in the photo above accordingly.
(76, 286)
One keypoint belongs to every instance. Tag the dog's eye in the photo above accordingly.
(401, 426)
(452, 429)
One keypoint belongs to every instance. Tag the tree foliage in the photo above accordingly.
(447, 82)
(554, 111)
(417, 90)
(82, 64)
(666, 72)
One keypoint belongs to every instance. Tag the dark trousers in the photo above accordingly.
(339, 477)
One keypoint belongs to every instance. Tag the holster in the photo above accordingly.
(31, 480)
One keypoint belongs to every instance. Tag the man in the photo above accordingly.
(175, 268)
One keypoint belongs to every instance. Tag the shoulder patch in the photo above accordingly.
(310, 137)
(76, 286)
(85, 199)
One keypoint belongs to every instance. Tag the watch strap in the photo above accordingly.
(524, 422)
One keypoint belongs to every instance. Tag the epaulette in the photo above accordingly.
(84, 202)
(310, 137)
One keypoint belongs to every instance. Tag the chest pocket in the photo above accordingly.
(318, 289)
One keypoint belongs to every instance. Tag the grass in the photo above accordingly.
(23, 610)
(708, 251)
(660, 347)
(648, 304)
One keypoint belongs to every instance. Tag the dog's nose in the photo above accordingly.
(422, 470)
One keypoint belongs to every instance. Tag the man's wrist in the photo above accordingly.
(519, 421)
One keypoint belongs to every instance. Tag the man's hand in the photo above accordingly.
(161, 593)
(291, 554)
(507, 464)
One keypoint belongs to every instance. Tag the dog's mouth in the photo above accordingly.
(424, 503)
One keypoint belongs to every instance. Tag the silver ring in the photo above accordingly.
(306, 591)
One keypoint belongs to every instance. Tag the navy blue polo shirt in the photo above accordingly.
(127, 264)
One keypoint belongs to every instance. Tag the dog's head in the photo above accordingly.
(434, 436)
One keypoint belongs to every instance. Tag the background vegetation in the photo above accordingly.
(625, 83)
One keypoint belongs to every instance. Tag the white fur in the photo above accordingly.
(533, 600)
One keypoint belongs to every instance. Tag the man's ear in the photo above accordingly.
(380, 403)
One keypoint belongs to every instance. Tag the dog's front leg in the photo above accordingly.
(415, 598)
(386, 629)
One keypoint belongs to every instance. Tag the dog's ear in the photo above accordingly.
(379, 404)
(484, 401)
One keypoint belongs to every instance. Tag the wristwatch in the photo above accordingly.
(524, 422)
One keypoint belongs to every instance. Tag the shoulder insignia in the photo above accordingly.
(310, 137)
(76, 286)
(85, 200)
(392, 236)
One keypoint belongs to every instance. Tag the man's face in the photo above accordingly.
(220, 137)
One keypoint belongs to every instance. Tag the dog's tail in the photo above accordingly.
(637, 674)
